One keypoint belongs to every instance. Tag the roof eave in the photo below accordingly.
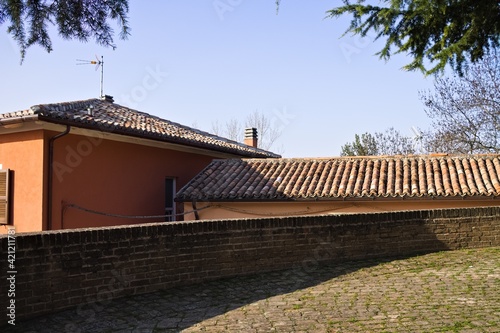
(337, 199)
(17, 120)
(142, 135)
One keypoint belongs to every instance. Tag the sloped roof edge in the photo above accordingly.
(347, 178)
(105, 116)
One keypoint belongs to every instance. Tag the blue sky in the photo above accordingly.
(214, 60)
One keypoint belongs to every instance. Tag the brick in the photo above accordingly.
(136, 259)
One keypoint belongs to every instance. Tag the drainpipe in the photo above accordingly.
(51, 162)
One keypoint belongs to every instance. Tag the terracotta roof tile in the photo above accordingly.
(346, 177)
(111, 117)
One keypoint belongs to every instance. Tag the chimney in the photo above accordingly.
(251, 137)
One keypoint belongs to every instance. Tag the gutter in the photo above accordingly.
(50, 176)
(348, 199)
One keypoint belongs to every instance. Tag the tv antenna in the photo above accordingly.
(98, 63)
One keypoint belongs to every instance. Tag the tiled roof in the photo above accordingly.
(345, 178)
(114, 118)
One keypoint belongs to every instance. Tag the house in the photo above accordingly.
(96, 163)
(235, 188)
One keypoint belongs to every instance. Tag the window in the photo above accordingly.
(4, 196)
(169, 199)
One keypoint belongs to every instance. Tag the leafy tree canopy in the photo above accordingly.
(433, 32)
(390, 142)
(28, 20)
(363, 145)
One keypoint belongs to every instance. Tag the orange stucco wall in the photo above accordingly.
(223, 210)
(23, 154)
(116, 178)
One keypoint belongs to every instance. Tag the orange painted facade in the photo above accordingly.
(116, 178)
(229, 210)
(24, 153)
(97, 173)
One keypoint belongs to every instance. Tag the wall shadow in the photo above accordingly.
(176, 309)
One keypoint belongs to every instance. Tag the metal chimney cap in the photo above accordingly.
(250, 132)
(90, 110)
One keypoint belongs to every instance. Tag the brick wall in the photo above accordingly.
(61, 269)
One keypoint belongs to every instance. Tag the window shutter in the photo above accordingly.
(4, 196)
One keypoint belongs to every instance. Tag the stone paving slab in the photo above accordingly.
(456, 291)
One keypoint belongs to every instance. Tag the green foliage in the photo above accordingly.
(75, 19)
(390, 142)
(432, 32)
(364, 145)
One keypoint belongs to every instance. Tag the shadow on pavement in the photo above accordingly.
(177, 309)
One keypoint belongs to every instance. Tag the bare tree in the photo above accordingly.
(466, 109)
(393, 142)
(231, 129)
(268, 134)
(234, 129)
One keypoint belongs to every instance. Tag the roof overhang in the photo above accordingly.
(181, 144)
(32, 123)
(350, 199)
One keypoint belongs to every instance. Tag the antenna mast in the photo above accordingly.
(98, 63)
(102, 74)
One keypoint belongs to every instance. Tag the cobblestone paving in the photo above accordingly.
(457, 291)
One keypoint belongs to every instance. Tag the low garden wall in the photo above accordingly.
(55, 270)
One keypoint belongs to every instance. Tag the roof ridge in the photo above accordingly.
(378, 157)
(62, 106)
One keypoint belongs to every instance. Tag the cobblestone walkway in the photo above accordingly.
(456, 291)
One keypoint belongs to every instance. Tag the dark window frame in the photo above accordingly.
(170, 206)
